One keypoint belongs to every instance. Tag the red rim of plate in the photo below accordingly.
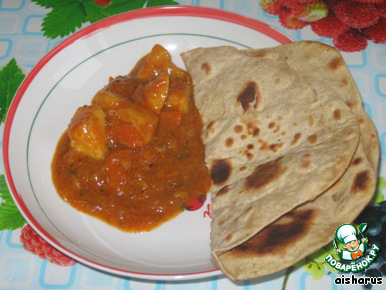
(87, 31)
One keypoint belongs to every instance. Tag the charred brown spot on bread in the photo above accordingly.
(305, 164)
(296, 138)
(263, 145)
(221, 170)
(243, 168)
(249, 156)
(229, 237)
(278, 237)
(271, 125)
(312, 139)
(229, 142)
(277, 129)
(252, 129)
(275, 147)
(361, 182)
(283, 133)
(335, 63)
(250, 146)
(256, 132)
(223, 191)
(210, 125)
(337, 114)
(277, 81)
(361, 121)
(351, 105)
(209, 129)
(356, 161)
(247, 95)
(265, 174)
(238, 129)
(206, 67)
(344, 81)
(259, 53)
(243, 137)
(311, 120)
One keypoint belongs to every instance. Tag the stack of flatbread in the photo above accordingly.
(291, 151)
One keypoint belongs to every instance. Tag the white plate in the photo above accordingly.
(68, 77)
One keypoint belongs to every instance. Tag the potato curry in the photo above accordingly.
(134, 157)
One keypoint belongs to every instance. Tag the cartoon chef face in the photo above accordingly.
(352, 246)
(347, 235)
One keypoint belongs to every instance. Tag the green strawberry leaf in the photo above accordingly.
(316, 270)
(4, 192)
(64, 20)
(10, 217)
(52, 3)
(67, 15)
(95, 12)
(11, 77)
(151, 3)
(379, 196)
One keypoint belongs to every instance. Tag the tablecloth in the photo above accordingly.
(21, 37)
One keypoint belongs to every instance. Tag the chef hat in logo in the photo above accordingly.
(346, 233)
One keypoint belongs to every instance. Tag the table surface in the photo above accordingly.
(21, 38)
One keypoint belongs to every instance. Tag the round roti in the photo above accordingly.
(280, 132)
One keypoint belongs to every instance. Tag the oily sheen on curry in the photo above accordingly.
(134, 158)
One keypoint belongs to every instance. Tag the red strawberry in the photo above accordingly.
(195, 204)
(289, 3)
(350, 41)
(271, 6)
(33, 243)
(369, 1)
(288, 20)
(377, 32)
(331, 3)
(355, 14)
(294, 3)
(311, 11)
(381, 9)
(102, 2)
(307, 1)
(330, 26)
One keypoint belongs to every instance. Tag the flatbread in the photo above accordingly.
(312, 225)
(247, 100)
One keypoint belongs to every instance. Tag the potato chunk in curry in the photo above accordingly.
(87, 132)
(134, 158)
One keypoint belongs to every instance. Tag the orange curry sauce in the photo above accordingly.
(134, 158)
